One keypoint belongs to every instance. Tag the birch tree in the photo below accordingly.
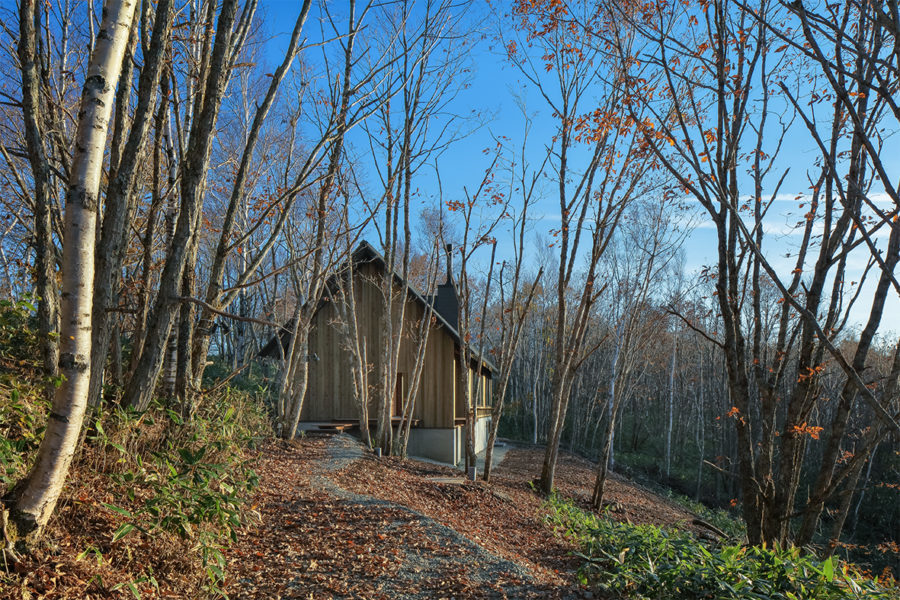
(35, 497)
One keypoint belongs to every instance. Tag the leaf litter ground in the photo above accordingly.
(335, 522)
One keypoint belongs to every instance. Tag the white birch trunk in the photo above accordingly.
(671, 409)
(39, 492)
(701, 432)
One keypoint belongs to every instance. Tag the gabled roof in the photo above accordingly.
(366, 253)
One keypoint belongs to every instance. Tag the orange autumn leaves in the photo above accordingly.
(813, 431)
(806, 429)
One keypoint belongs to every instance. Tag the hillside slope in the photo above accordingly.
(337, 522)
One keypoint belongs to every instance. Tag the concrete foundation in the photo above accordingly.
(482, 430)
(447, 445)
(443, 445)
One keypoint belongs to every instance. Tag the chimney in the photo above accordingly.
(449, 249)
(446, 302)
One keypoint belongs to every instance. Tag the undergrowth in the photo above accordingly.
(152, 500)
(721, 519)
(183, 477)
(648, 562)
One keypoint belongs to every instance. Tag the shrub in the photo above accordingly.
(643, 561)
(188, 478)
(138, 483)
(22, 418)
(18, 339)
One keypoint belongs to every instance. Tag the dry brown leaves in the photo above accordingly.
(312, 545)
(575, 476)
(303, 542)
(504, 517)
(80, 561)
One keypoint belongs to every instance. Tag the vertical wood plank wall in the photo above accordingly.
(330, 391)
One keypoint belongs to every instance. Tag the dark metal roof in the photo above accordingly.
(445, 305)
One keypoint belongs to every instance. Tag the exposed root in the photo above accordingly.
(8, 553)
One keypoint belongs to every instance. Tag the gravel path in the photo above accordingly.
(422, 571)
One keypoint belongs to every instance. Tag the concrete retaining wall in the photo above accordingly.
(443, 445)
(447, 445)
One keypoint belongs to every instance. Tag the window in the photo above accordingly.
(398, 396)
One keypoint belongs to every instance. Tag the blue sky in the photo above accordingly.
(492, 97)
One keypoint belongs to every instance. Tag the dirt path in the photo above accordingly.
(318, 539)
(423, 571)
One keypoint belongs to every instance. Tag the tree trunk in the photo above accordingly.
(36, 496)
(701, 432)
(45, 253)
(560, 401)
(139, 389)
(846, 498)
(295, 376)
(116, 351)
(119, 203)
(671, 409)
(862, 491)
(603, 461)
(185, 323)
(137, 338)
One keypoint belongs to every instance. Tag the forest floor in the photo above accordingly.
(338, 523)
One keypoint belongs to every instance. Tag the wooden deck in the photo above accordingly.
(341, 426)
(338, 427)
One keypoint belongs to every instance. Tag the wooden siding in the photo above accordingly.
(484, 390)
(330, 389)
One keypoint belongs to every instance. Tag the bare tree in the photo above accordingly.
(859, 65)
(585, 92)
(704, 141)
(355, 344)
(352, 97)
(642, 256)
(479, 216)
(515, 294)
(419, 338)
(408, 132)
(34, 498)
(215, 296)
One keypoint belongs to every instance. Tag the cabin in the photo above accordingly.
(438, 430)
